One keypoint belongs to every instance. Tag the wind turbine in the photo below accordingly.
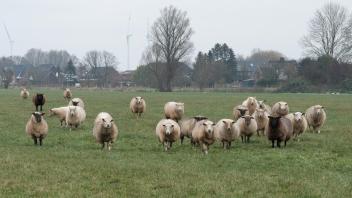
(128, 36)
(12, 42)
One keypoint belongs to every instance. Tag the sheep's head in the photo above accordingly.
(260, 113)
(180, 107)
(298, 116)
(251, 101)
(242, 110)
(318, 109)
(247, 119)
(274, 121)
(228, 125)
(199, 118)
(261, 104)
(107, 123)
(138, 99)
(51, 112)
(40, 96)
(72, 110)
(37, 117)
(169, 128)
(67, 89)
(283, 108)
(208, 127)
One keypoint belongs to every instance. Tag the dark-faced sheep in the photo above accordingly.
(76, 102)
(39, 101)
(239, 111)
(37, 127)
(279, 129)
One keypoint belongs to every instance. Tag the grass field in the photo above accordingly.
(71, 164)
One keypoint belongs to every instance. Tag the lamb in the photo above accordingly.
(174, 110)
(261, 117)
(247, 126)
(262, 105)
(279, 129)
(37, 127)
(251, 103)
(203, 134)
(167, 131)
(76, 102)
(67, 94)
(239, 111)
(105, 130)
(24, 93)
(187, 125)
(39, 101)
(280, 109)
(226, 131)
(60, 113)
(316, 117)
(137, 106)
(75, 116)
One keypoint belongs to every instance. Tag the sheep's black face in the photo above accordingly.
(242, 111)
(274, 121)
(38, 116)
(40, 97)
(75, 103)
(199, 118)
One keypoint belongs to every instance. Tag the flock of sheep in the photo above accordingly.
(249, 118)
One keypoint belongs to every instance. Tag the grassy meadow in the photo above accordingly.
(71, 164)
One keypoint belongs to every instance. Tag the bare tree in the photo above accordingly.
(152, 57)
(330, 33)
(109, 60)
(93, 59)
(36, 57)
(171, 32)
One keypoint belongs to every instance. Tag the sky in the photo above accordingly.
(82, 25)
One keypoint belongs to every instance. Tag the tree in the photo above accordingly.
(36, 57)
(222, 54)
(109, 60)
(70, 68)
(93, 59)
(330, 33)
(6, 75)
(171, 32)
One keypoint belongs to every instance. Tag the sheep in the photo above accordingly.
(67, 94)
(137, 106)
(37, 127)
(59, 112)
(262, 105)
(251, 103)
(39, 100)
(239, 111)
(299, 123)
(167, 131)
(105, 130)
(280, 109)
(247, 126)
(174, 110)
(75, 116)
(261, 117)
(279, 129)
(203, 134)
(76, 102)
(187, 125)
(316, 117)
(24, 93)
(226, 131)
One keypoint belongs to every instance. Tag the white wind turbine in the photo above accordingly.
(12, 42)
(128, 36)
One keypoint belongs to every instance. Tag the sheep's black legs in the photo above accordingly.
(278, 143)
(229, 144)
(272, 143)
(242, 138)
(170, 144)
(41, 108)
(36, 108)
(285, 142)
(102, 145)
(35, 140)
(182, 137)
(41, 140)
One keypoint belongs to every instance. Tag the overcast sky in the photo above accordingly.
(82, 25)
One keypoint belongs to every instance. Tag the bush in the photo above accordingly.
(296, 86)
(346, 85)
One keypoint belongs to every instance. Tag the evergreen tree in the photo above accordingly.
(70, 68)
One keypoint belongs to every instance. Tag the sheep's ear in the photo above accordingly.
(111, 120)
(224, 121)
(213, 124)
(303, 114)
(322, 107)
(270, 116)
(233, 122)
(172, 125)
(164, 125)
(103, 119)
(42, 113)
(204, 124)
(286, 104)
(33, 113)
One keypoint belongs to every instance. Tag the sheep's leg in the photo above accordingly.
(36, 108)
(278, 143)
(242, 138)
(41, 107)
(165, 146)
(170, 143)
(41, 140)
(109, 146)
(102, 145)
(258, 132)
(285, 143)
(34, 139)
(230, 144)
(182, 137)
(272, 143)
(223, 144)
(248, 139)
(205, 148)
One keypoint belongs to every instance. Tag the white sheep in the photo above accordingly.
(280, 109)
(316, 117)
(60, 113)
(105, 130)
(251, 103)
(247, 126)
(239, 111)
(203, 134)
(226, 131)
(137, 106)
(299, 123)
(174, 110)
(168, 132)
(24, 93)
(76, 102)
(187, 125)
(37, 127)
(261, 117)
(75, 116)
(67, 94)
(262, 105)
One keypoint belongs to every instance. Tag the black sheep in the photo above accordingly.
(38, 100)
